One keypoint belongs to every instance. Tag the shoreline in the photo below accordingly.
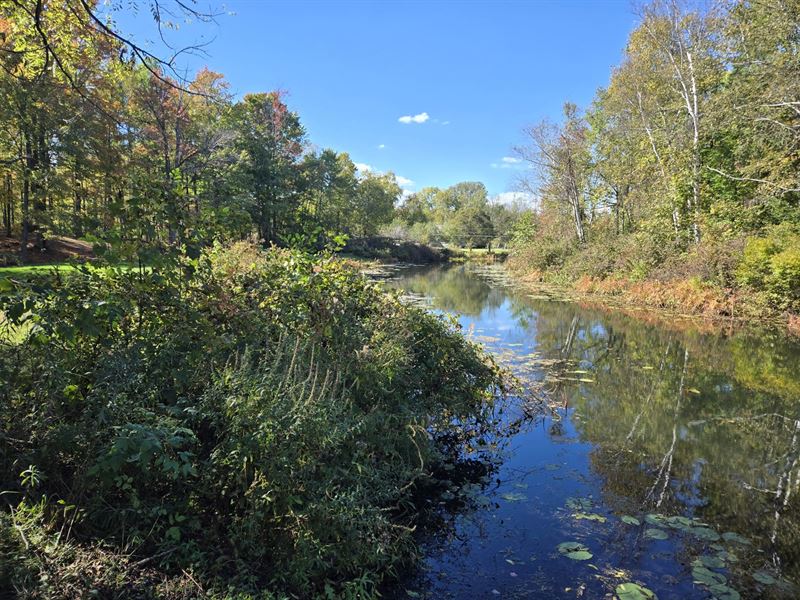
(680, 300)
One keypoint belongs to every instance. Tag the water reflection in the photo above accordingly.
(651, 420)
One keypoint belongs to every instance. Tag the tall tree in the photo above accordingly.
(270, 140)
(559, 155)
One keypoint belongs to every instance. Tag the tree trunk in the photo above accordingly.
(8, 208)
(77, 228)
(26, 200)
(695, 151)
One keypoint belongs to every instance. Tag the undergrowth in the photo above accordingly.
(248, 425)
(744, 276)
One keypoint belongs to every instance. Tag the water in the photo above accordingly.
(642, 419)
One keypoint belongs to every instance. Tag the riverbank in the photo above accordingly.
(383, 250)
(684, 298)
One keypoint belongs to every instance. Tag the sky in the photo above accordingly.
(437, 92)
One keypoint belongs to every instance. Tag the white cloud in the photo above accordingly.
(508, 162)
(363, 167)
(381, 146)
(445, 122)
(420, 118)
(525, 199)
(403, 181)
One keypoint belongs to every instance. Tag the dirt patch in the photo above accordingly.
(56, 250)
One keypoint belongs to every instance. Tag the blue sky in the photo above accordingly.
(473, 73)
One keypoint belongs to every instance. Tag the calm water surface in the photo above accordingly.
(645, 421)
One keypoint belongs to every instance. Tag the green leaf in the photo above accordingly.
(630, 520)
(707, 577)
(565, 547)
(574, 550)
(704, 533)
(764, 577)
(723, 592)
(656, 534)
(728, 556)
(679, 522)
(657, 520)
(730, 536)
(712, 562)
(581, 504)
(590, 517)
(634, 591)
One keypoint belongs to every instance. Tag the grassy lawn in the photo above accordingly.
(27, 270)
(33, 270)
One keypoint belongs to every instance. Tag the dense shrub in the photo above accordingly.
(385, 248)
(261, 420)
(771, 263)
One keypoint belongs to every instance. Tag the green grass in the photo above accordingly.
(33, 270)
(26, 270)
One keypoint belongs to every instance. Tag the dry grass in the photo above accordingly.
(662, 301)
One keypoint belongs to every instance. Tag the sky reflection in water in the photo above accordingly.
(651, 421)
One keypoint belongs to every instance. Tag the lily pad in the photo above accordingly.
(657, 520)
(513, 496)
(728, 556)
(574, 550)
(712, 562)
(764, 577)
(628, 520)
(730, 536)
(634, 591)
(565, 547)
(707, 577)
(582, 504)
(590, 517)
(704, 533)
(656, 534)
(723, 592)
(679, 522)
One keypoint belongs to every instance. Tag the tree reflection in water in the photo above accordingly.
(679, 421)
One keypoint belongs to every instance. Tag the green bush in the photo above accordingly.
(772, 263)
(261, 419)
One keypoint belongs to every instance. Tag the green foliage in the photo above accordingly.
(461, 215)
(687, 155)
(772, 263)
(261, 419)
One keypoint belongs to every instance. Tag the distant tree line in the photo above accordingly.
(460, 215)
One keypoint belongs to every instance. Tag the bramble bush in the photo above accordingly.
(255, 423)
